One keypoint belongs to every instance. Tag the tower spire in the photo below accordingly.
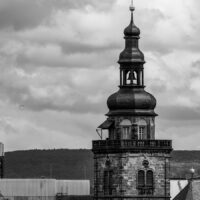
(131, 135)
(131, 8)
(131, 53)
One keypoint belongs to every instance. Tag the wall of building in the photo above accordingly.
(150, 126)
(125, 167)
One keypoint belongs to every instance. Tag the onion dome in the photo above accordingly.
(131, 53)
(132, 29)
(131, 101)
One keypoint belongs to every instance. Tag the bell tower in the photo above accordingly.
(131, 163)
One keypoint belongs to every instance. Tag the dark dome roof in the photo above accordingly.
(131, 101)
(131, 30)
(131, 55)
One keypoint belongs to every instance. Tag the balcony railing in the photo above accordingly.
(131, 145)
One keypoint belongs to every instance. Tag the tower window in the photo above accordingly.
(141, 178)
(145, 182)
(141, 132)
(149, 178)
(126, 129)
(107, 178)
(108, 182)
(142, 129)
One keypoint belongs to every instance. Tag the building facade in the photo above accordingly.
(131, 163)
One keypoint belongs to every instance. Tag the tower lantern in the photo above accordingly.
(131, 163)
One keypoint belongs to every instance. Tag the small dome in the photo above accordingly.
(132, 30)
(131, 101)
(131, 53)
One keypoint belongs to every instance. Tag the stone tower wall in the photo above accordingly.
(125, 167)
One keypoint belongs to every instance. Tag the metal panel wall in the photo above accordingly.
(28, 198)
(73, 187)
(43, 187)
(28, 187)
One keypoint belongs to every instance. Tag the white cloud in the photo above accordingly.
(60, 67)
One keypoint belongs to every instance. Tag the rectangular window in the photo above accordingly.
(126, 131)
(141, 132)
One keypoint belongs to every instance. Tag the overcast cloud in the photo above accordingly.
(58, 64)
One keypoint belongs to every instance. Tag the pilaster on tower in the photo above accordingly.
(131, 163)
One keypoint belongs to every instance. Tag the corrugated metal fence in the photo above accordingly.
(77, 197)
(42, 189)
(28, 198)
(64, 197)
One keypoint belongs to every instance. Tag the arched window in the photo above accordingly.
(152, 127)
(107, 179)
(149, 178)
(145, 182)
(126, 128)
(142, 126)
(141, 178)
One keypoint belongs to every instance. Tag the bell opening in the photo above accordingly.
(131, 78)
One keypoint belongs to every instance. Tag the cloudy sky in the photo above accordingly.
(58, 65)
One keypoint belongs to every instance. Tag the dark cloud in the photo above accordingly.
(157, 85)
(156, 46)
(148, 27)
(39, 94)
(154, 21)
(55, 58)
(77, 4)
(21, 14)
(24, 14)
(13, 92)
(80, 39)
(78, 47)
(194, 70)
(196, 64)
(24, 99)
(179, 113)
(81, 105)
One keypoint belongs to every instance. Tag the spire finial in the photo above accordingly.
(132, 8)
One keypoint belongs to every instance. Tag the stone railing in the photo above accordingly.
(131, 145)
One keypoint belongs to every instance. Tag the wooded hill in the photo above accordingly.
(78, 164)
